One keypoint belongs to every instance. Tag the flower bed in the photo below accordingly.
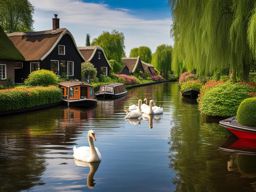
(128, 79)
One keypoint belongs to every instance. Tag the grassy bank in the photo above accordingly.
(21, 98)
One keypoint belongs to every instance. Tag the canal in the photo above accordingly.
(177, 151)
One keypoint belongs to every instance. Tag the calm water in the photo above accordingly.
(177, 151)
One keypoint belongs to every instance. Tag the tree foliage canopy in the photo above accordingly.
(112, 43)
(88, 71)
(143, 52)
(162, 60)
(214, 36)
(16, 15)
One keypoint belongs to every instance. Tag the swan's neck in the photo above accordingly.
(150, 108)
(90, 141)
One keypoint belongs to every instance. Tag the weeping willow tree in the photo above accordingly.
(213, 36)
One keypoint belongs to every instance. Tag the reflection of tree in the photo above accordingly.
(194, 152)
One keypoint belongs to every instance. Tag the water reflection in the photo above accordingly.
(93, 167)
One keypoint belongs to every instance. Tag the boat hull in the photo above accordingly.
(190, 93)
(240, 131)
(110, 96)
(84, 103)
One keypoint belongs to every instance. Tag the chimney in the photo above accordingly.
(55, 22)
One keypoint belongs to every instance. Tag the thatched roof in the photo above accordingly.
(131, 63)
(38, 45)
(7, 50)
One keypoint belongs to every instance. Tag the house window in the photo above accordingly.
(70, 69)
(3, 72)
(61, 50)
(55, 66)
(104, 70)
(99, 55)
(63, 68)
(34, 66)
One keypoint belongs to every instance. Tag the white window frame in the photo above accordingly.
(35, 62)
(64, 48)
(58, 65)
(73, 68)
(106, 70)
(5, 71)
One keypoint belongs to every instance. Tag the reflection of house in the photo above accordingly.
(96, 56)
(10, 59)
(52, 49)
(132, 65)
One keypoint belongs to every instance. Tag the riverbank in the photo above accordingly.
(150, 83)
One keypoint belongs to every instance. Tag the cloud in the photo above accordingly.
(81, 18)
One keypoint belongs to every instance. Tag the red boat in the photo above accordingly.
(235, 145)
(240, 131)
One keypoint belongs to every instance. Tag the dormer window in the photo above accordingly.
(99, 55)
(61, 50)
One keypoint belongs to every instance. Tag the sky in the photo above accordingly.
(143, 22)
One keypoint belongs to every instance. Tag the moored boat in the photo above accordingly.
(240, 131)
(78, 94)
(111, 91)
(190, 93)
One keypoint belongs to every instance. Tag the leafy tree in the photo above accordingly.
(116, 66)
(112, 43)
(88, 71)
(215, 35)
(143, 52)
(88, 42)
(16, 15)
(162, 60)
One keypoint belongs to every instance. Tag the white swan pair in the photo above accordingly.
(89, 153)
(152, 110)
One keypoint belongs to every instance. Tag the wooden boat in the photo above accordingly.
(236, 145)
(78, 94)
(237, 129)
(111, 91)
(190, 93)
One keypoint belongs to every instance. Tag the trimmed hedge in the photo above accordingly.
(224, 99)
(20, 98)
(41, 78)
(192, 84)
(246, 113)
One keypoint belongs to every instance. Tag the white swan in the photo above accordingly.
(88, 154)
(148, 109)
(157, 110)
(135, 114)
(144, 106)
(134, 107)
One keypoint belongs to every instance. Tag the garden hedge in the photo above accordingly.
(41, 78)
(246, 113)
(224, 99)
(191, 84)
(21, 98)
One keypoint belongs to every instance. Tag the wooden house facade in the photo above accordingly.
(53, 50)
(10, 60)
(96, 56)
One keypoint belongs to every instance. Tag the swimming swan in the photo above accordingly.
(135, 114)
(88, 154)
(134, 107)
(157, 110)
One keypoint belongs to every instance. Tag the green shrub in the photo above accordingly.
(246, 113)
(41, 78)
(192, 84)
(224, 99)
(115, 65)
(27, 97)
(88, 71)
